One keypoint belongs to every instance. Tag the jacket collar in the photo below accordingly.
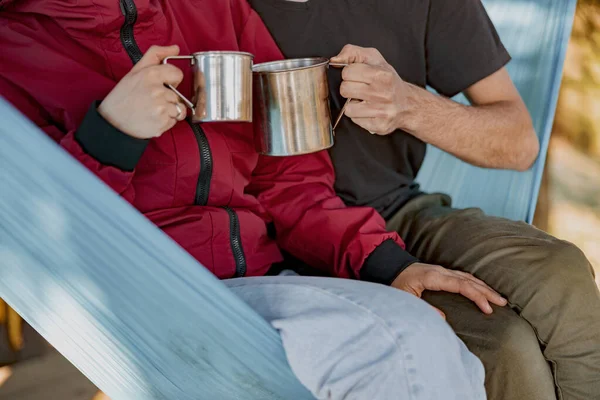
(99, 16)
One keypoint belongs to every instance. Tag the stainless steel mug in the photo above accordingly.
(291, 107)
(222, 86)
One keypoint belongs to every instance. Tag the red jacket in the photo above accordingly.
(203, 185)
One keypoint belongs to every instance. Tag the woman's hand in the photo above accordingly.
(419, 277)
(141, 105)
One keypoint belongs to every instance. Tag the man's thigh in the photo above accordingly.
(506, 344)
(547, 281)
(514, 258)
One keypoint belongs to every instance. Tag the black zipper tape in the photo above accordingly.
(129, 10)
(206, 165)
(236, 243)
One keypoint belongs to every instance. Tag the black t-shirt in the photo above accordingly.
(446, 44)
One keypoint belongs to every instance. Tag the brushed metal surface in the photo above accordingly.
(222, 86)
(291, 107)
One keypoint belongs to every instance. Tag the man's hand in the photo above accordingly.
(494, 132)
(420, 277)
(140, 105)
(380, 97)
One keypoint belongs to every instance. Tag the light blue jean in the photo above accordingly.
(349, 340)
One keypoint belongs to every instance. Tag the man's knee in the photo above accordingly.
(554, 268)
(566, 256)
(515, 340)
(564, 267)
(512, 355)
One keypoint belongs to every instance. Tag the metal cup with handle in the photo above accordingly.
(291, 108)
(222, 86)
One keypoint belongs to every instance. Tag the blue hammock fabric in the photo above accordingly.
(536, 33)
(138, 315)
(125, 304)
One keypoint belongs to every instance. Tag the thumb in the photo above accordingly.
(155, 55)
(407, 287)
(351, 54)
(440, 312)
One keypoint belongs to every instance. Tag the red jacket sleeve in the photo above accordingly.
(311, 221)
(313, 224)
(93, 143)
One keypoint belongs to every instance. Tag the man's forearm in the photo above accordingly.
(496, 135)
(496, 132)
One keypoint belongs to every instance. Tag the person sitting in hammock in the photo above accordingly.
(547, 343)
(89, 74)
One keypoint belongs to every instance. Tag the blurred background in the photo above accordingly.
(569, 202)
(568, 207)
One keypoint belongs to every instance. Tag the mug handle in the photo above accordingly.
(182, 97)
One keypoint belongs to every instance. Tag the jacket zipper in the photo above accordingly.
(236, 243)
(206, 164)
(129, 10)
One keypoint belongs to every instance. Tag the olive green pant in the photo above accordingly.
(546, 343)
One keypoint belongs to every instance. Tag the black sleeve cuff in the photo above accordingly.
(386, 262)
(107, 144)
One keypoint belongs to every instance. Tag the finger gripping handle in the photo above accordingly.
(185, 100)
